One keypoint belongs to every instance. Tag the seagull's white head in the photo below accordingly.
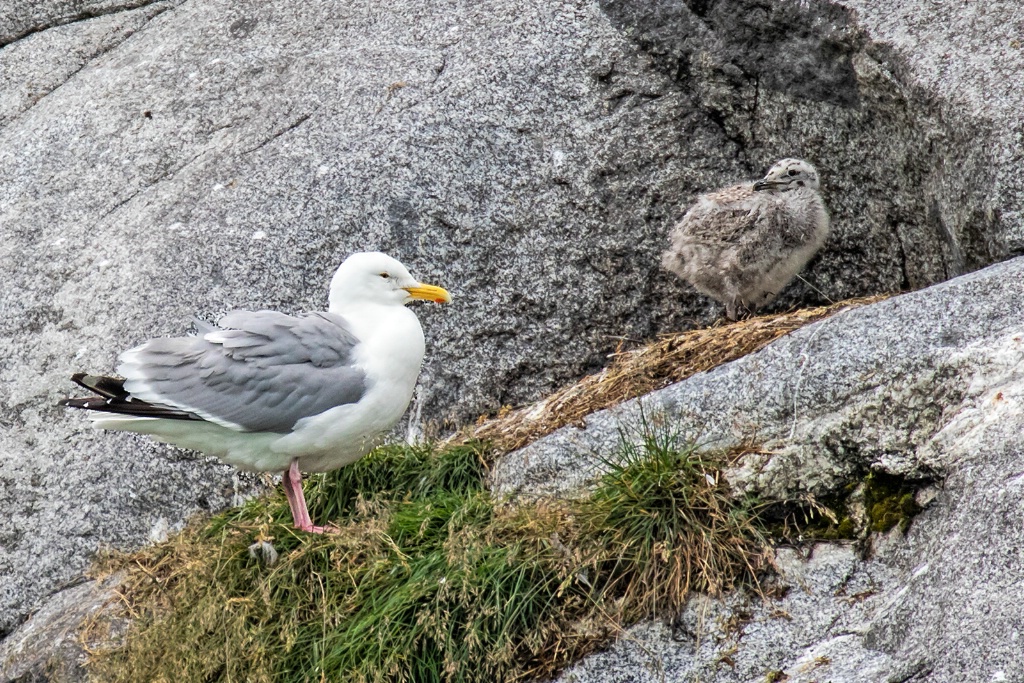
(373, 277)
(788, 174)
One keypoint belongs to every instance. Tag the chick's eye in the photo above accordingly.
(793, 171)
(385, 275)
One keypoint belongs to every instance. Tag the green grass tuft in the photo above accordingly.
(664, 519)
(429, 578)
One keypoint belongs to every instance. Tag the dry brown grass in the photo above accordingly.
(670, 359)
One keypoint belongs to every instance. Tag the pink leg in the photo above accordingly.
(292, 481)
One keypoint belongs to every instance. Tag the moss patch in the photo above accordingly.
(429, 578)
(889, 501)
(886, 501)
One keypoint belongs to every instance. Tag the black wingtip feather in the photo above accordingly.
(107, 387)
(114, 399)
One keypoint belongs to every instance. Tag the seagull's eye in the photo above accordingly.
(793, 172)
(385, 275)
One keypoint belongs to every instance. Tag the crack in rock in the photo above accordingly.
(12, 34)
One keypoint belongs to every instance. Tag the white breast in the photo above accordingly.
(390, 352)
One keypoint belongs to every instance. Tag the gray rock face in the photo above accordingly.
(32, 69)
(47, 647)
(871, 387)
(929, 384)
(818, 626)
(21, 18)
(159, 160)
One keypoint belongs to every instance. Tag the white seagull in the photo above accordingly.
(266, 391)
(742, 244)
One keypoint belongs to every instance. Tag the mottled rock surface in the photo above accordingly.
(161, 160)
(928, 385)
(21, 18)
(870, 387)
(48, 646)
(818, 626)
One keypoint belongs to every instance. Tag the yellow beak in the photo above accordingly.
(429, 293)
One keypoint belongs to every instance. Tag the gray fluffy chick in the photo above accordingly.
(742, 244)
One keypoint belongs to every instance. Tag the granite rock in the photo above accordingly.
(814, 632)
(48, 646)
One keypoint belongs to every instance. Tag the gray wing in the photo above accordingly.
(770, 235)
(709, 229)
(263, 371)
(721, 217)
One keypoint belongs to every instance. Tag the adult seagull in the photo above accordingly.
(266, 391)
